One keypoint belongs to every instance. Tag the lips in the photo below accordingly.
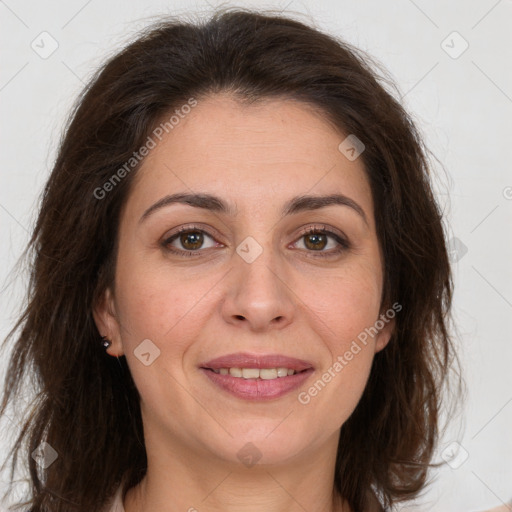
(247, 360)
(256, 389)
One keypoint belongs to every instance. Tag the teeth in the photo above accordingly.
(255, 373)
(236, 372)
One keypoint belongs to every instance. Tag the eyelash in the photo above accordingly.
(312, 230)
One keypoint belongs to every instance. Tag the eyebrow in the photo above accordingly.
(216, 204)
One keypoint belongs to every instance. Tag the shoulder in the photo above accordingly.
(115, 504)
(374, 505)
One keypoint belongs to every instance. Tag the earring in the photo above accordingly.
(105, 342)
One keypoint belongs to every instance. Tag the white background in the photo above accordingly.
(462, 105)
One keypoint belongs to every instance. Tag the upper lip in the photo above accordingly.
(247, 360)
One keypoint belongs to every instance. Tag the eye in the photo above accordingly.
(315, 239)
(190, 238)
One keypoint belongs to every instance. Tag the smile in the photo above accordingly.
(256, 373)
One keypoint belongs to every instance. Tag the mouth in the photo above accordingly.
(256, 373)
(257, 377)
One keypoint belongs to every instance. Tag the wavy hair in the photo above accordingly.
(85, 403)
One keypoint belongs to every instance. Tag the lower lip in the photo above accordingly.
(258, 389)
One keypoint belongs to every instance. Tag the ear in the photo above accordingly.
(385, 333)
(104, 315)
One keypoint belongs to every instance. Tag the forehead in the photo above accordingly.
(268, 151)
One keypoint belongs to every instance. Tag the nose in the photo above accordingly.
(258, 297)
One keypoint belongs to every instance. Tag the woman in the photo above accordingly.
(240, 287)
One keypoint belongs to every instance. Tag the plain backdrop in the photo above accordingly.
(452, 64)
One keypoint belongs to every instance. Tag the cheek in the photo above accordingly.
(345, 303)
(169, 311)
(159, 305)
(345, 307)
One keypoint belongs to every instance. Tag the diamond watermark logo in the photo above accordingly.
(249, 455)
(454, 45)
(44, 45)
(147, 352)
(456, 249)
(44, 455)
(249, 249)
(455, 455)
(351, 147)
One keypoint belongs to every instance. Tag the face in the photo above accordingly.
(251, 278)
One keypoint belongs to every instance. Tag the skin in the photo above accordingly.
(288, 301)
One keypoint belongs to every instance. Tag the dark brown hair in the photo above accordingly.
(86, 405)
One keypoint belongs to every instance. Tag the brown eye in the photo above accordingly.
(191, 240)
(317, 239)
(188, 241)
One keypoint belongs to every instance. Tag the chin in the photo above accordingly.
(261, 446)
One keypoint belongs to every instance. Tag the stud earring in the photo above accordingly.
(105, 342)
